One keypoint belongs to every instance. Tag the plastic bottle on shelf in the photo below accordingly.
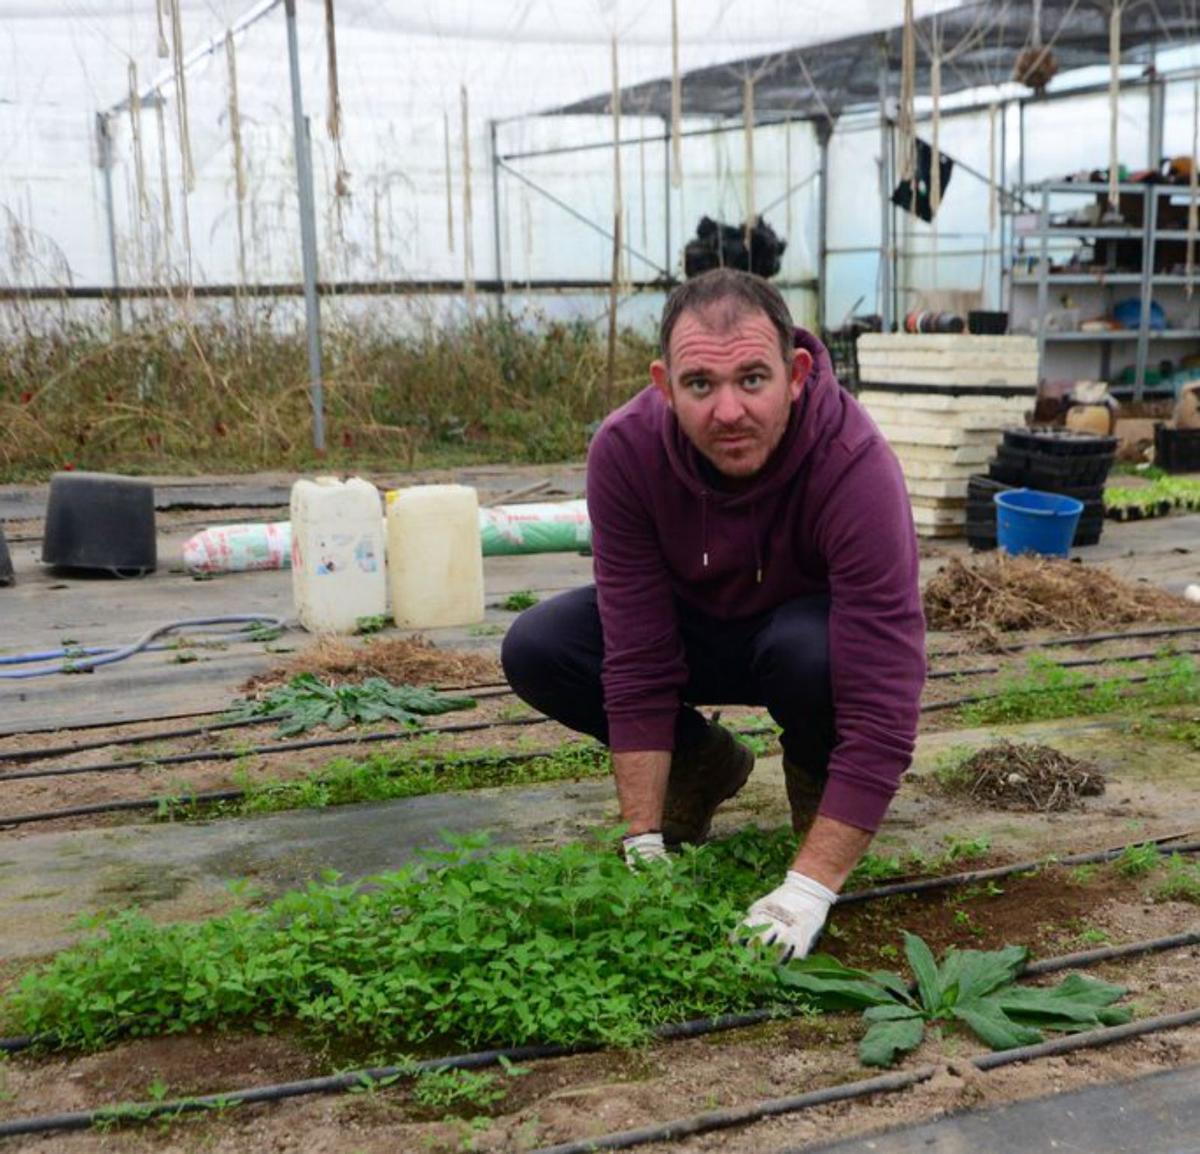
(337, 554)
(435, 558)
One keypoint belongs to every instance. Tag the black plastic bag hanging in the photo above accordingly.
(903, 196)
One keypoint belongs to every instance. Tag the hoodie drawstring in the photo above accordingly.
(754, 529)
(704, 526)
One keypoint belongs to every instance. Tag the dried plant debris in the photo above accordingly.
(1024, 776)
(1001, 594)
(400, 660)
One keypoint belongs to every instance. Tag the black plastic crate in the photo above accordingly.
(1023, 469)
(1053, 441)
(1177, 450)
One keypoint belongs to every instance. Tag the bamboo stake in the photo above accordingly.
(908, 70)
(163, 50)
(449, 183)
(165, 186)
(185, 139)
(748, 139)
(611, 374)
(468, 216)
(1193, 178)
(1114, 88)
(676, 102)
(239, 172)
(139, 156)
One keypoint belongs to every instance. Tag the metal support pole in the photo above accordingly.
(824, 132)
(104, 145)
(497, 249)
(1158, 99)
(1003, 217)
(885, 190)
(308, 232)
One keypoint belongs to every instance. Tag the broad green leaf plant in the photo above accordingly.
(306, 702)
(976, 988)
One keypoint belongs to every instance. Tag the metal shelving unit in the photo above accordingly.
(1042, 280)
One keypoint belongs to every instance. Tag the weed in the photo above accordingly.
(949, 768)
(414, 772)
(1182, 882)
(488, 629)
(1137, 860)
(873, 868)
(973, 988)
(963, 849)
(371, 623)
(466, 948)
(505, 388)
(306, 702)
(1048, 691)
(450, 1090)
(520, 600)
(1082, 875)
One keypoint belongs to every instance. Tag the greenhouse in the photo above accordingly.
(599, 575)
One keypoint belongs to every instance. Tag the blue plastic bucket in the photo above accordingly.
(1030, 521)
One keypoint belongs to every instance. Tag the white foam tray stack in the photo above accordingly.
(943, 402)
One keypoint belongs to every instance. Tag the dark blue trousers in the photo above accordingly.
(777, 660)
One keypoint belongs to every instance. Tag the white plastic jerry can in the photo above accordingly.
(337, 554)
(435, 559)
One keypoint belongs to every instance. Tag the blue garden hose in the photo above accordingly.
(95, 656)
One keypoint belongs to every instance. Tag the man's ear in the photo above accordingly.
(802, 363)
(661, 376)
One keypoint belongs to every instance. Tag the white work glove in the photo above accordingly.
(644, 847)
(790, 917)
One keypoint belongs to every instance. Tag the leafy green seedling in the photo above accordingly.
(520, 600)
(975, 988)
(1182, 883)
(1137, 860)
(307, 702)
(371, 623)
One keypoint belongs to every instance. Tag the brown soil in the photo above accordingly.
(589, 1095)
(401, 660)
(1026, 776)
(999, 594)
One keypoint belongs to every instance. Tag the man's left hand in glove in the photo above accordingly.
(790, 918)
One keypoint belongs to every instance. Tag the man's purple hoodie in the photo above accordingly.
(828, 513)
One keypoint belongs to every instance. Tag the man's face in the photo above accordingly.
(730, 387)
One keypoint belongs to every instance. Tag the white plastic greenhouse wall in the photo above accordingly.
(402, 69)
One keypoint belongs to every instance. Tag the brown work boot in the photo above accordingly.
(701, 778)
(804, 791)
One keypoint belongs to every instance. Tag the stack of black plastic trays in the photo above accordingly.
(1051, 460)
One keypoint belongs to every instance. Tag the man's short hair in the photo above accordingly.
(742, 291)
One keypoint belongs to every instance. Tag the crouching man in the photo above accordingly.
(753, 545)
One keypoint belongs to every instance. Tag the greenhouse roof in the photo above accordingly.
(980, 42)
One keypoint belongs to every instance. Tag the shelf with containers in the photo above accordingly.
(1077, 261)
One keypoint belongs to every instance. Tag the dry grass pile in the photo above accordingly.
(1033, 778)
(400, 660)
(1002, 594)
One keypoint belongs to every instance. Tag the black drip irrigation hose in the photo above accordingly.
(492, 689)
(721, 1119)
(936, 706)
(969, 877)
(264, 750)
(1075, 663)
(499, 689)
(885, 1084)
(1077, 639)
